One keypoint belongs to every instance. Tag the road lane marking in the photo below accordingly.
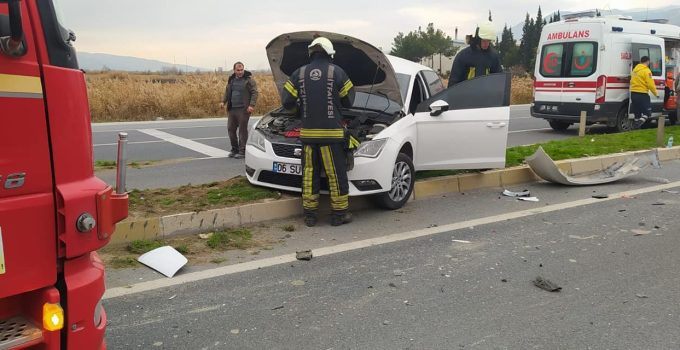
(160, 141)
(186, 143)
(371, 242)
(222, 123)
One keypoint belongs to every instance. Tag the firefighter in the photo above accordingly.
(478, 59)
(641, 83)
(317, 91)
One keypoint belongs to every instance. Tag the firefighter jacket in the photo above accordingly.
(641, 80)
(319, 90)
(473, 62)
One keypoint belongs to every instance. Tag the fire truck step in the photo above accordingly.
(17, 331)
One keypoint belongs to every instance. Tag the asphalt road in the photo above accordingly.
(453, 272)
(194, 151)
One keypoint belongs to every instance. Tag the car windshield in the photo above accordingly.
(375, 102)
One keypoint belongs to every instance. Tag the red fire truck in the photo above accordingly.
(54, 213)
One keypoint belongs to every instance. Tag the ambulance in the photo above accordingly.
(584, 63)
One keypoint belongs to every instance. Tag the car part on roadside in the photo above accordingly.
(545, 168)
(524, 193)
(305, 255)
(165, 260)
(545, 284)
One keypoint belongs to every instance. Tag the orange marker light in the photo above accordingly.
(53, 317)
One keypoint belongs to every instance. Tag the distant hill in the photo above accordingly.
(103, 61)
(671, 13)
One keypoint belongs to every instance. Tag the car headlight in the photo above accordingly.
(256, 138)
(371, 149)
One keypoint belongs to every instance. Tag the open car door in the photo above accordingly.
(465, 126)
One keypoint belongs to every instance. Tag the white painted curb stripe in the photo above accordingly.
(287, 258)
(186, 143)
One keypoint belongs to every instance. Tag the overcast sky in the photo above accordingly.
(212, 33)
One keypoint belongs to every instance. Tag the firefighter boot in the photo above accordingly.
(310, 218)
(340, 218)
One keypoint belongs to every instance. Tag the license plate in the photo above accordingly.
(2, 255)
(287, 168)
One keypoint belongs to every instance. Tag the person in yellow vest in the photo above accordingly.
(641, 83)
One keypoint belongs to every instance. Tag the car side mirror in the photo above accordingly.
(438, 107)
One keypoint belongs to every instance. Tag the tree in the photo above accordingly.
(508, 51)
(417, 44)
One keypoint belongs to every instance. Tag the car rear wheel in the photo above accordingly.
(558, 125)
(403, 180)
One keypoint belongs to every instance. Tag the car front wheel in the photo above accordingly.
(403, 180)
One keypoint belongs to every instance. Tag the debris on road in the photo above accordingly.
(545, 284)
(524, 193)
(277, 308)
(172, 297)
(641, 296)
(398, 273)
(305, 255)
(671, 191)
(165, 260)
(541, 164)
(658, 203)
(392, 285)
(660, 180)
(298, 283)
(504, 280)
(528, 199)
(640, 232)
(600, 196)
(387, 323)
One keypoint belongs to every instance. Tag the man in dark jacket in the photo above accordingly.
(478, 59)
(318, 91)
(240, 97)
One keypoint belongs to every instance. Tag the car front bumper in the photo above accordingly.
(369, 176)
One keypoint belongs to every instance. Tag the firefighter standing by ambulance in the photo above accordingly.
(317, 91)
(478, 59)
(641, 83)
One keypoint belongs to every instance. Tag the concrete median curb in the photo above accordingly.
(210, 220)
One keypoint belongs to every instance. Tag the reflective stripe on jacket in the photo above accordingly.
(319, 90)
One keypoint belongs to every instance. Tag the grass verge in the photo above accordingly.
(238, 238)
(196, 197)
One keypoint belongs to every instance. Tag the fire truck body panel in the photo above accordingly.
(54, 213)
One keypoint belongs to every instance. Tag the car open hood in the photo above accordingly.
(367, 66)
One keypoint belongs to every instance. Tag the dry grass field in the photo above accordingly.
(120, 96)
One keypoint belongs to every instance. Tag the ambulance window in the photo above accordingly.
(583, 59)
(551, 60)
(655, 63)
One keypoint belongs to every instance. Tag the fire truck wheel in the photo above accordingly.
(622, 121)
(558, 125)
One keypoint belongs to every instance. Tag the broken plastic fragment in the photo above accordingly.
(524, 193)
(528, 199)
(545, 168)
(165, 260)
(545, 284)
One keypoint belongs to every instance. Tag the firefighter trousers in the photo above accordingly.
(331, 157)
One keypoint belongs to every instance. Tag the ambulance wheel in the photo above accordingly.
(559, 126)
(673, 118)
(403, 180)
(622, 121)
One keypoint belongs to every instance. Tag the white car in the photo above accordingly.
(405, 119)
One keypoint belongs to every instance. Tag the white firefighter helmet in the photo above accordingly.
(486, 31)
(323, 43)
